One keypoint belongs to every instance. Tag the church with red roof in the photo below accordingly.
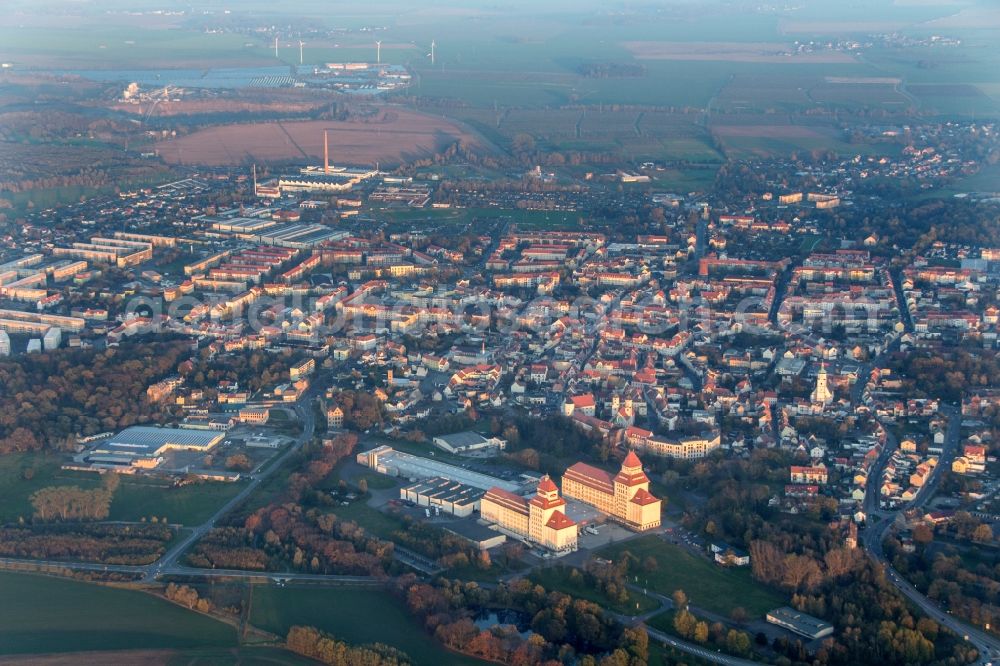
(624, 497)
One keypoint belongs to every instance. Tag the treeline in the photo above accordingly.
(460, 151)
(50, 398)
(947, 374)
(30, 166)
(806, 558)
(955, 564)
(71, 503)
(317, 542)
(544, 444)
(687, 625)
(295, 530)
(793, 572)
(919, 225)
(187, 596)
(251, 371)
(566, 630)
(361, 410)
(525, 436)
(315, 644)
(75, 503)
(447, 549)
(104, 543)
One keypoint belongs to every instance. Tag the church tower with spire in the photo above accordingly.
(821, 395)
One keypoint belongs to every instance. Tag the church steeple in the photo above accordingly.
(821, 394)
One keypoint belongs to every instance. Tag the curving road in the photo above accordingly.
(880, 521)
(697, 650)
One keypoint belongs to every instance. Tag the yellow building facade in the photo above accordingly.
(624, 497)
(540, 519)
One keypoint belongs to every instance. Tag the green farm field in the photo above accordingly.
(358, 615)
(192, 504)
(16, 488)
(42, 615)
(558, 578)
(109, 46)
(707, 585)
(135, 498)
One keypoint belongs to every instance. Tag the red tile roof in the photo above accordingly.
(559, 521)
(591, 476)
(507, 499)
(546, 485)
(644, 497)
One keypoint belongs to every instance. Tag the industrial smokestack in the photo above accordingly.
(326, 153)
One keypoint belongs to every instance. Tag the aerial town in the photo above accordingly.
(339, 355)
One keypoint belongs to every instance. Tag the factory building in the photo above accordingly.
(624, 497)
(386, 460)
(540, 520)
(450, 496)
(144, 446)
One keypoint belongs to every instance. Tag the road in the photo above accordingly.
(697, 650)
(880, 521)
(304, 410)
(666, 603)
(167, 563)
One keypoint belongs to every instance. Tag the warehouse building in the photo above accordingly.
(800, 623)
(452, 497)
(386, 460)
(466, 442)
(479, 535)
(144, 446)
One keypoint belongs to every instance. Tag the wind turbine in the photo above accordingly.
(301, 44)
(378, 52)
(433, 45)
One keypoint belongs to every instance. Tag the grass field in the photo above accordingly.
(15, 490)
(987, 180)
(374, 521)
(135, 498)
(707, 585)
(188, 505)
(109, 46)
(690, 179)
(358, 615)
(558, 578)
(41, 614)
